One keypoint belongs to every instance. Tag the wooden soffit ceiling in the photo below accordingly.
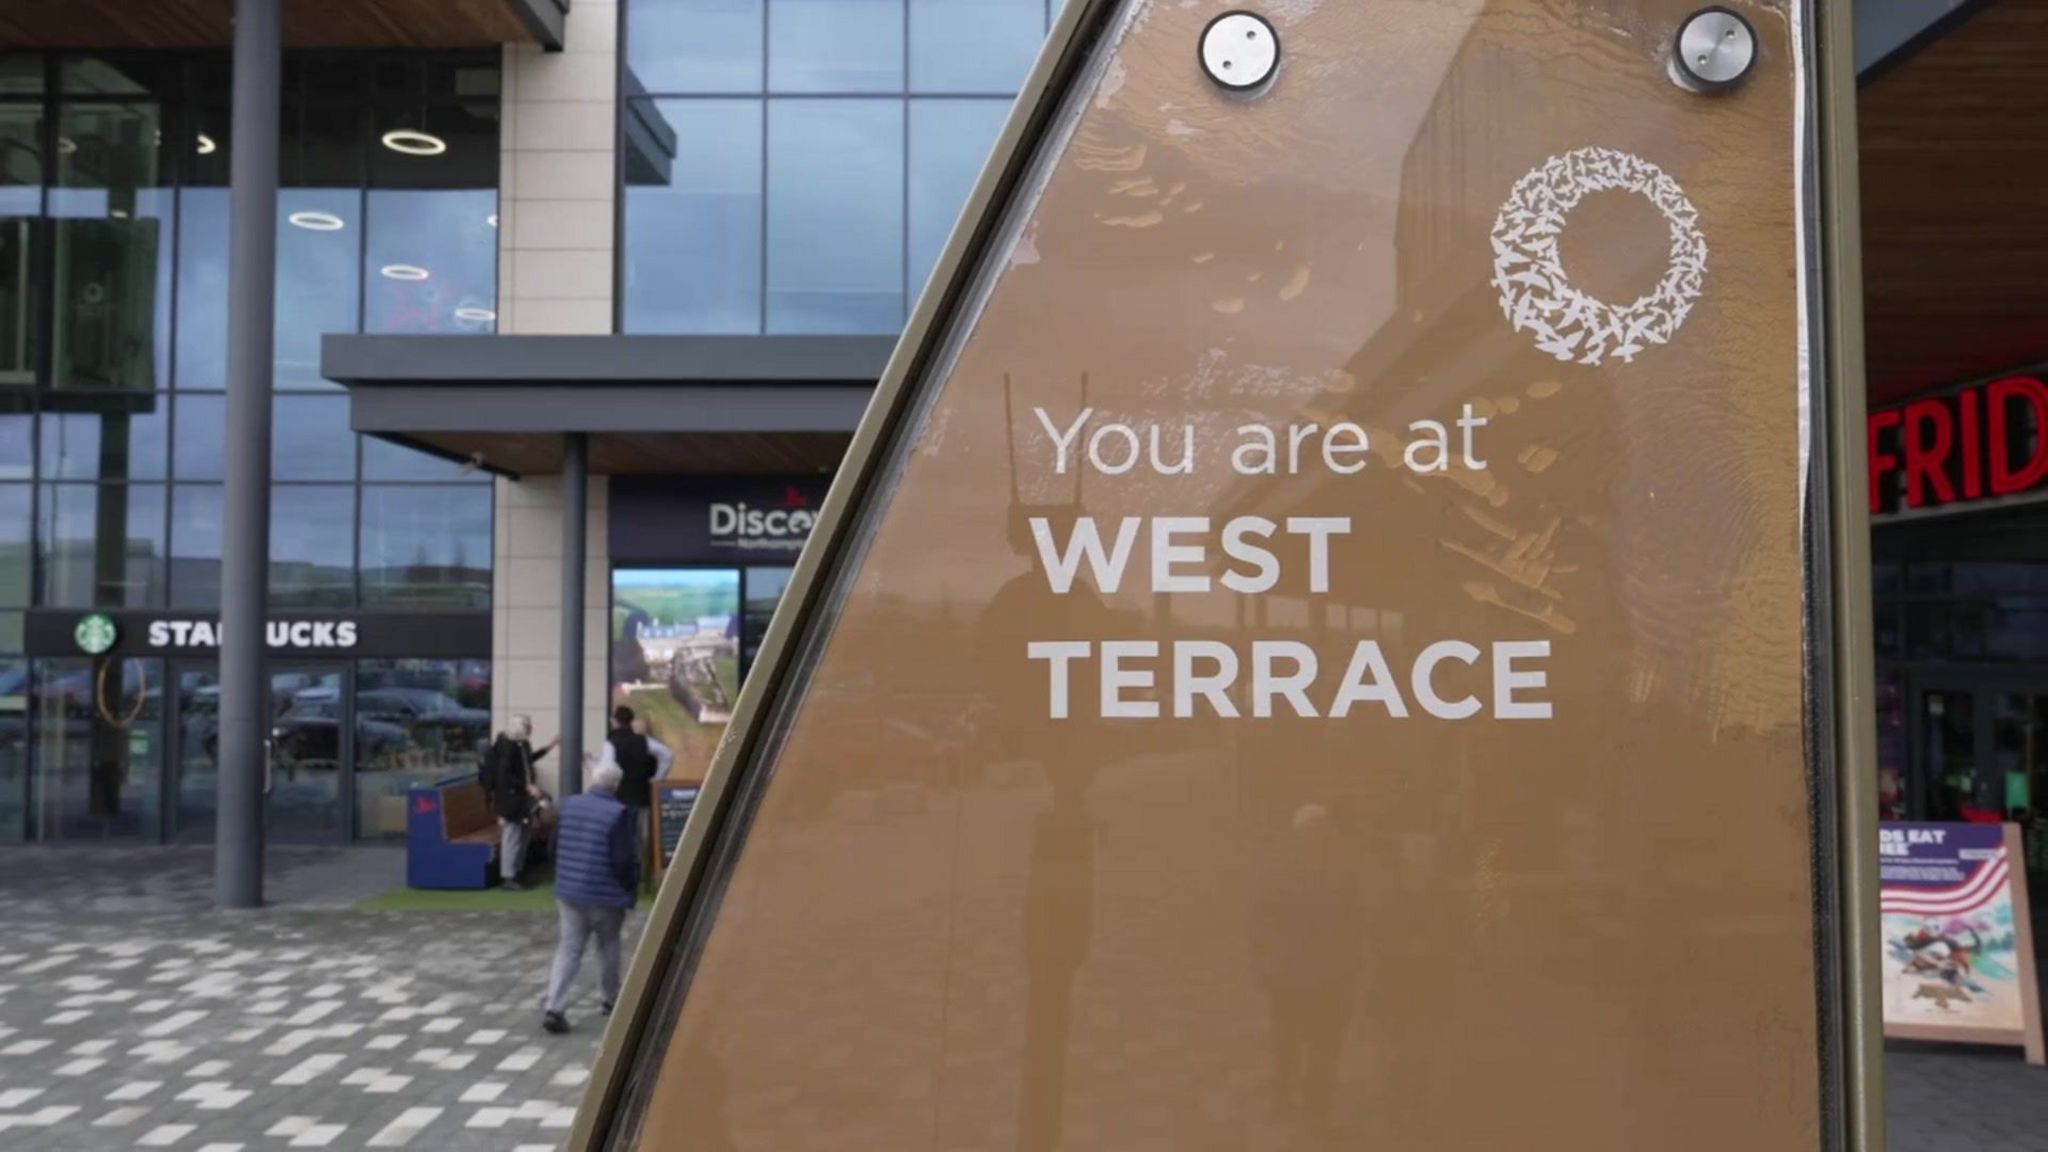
(186, 24)
(1955, 204)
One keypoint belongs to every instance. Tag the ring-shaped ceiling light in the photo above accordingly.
(403, 272)
(492, 219)
(476, 315)
(317, 221)
(413, 142)
(206, 145)
(66, 145)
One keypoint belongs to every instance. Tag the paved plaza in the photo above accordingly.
(133, 1015)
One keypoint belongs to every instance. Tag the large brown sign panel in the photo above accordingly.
(1317, 660)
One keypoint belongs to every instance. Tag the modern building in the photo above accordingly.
(1957, 354)
(657, 251)
(671, 239)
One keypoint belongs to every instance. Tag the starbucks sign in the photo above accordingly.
(96, 634)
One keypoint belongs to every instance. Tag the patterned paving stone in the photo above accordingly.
(133, 1015)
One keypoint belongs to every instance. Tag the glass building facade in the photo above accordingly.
(795, 166)
(786, 167)
(113, 360)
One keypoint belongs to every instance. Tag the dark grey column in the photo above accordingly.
(245, 552)
(575, 523)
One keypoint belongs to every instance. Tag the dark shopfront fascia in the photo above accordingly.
(108, 730)
(1959, 542)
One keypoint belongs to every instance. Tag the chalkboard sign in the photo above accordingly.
(672, 810)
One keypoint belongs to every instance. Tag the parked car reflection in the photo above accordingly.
(309, 732)
(427, 714)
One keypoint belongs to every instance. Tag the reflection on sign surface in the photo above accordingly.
(1320, 665)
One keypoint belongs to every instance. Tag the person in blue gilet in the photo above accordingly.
(597, 878)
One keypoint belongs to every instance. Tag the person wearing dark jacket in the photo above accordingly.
(513, 789)
(634, 754)
(597, 878)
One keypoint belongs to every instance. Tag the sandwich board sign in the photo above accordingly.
(1331, 586)
(1958, 940)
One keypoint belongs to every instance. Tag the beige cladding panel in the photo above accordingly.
(958, 923)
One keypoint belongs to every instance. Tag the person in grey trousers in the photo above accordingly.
(597, 879)
(514, 791)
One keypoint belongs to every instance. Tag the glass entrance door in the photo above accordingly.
(310, 749)
(196, 737)
(1951, 785)
(1981, 753)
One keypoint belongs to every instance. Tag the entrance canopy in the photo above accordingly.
(649, 404)
(168, 24)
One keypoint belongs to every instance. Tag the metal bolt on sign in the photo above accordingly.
(1240, 51)
(1716, 48)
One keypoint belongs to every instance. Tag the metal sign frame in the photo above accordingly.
(1838, 673)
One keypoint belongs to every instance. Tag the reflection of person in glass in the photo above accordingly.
(1312, 939)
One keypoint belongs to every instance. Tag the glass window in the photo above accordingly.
(312, 551)
(17, 529)
(147, 75)
(950, 140)
(202, 299)
(17, 438)
(432, 262)
(195, 546)
(14, 747)
(317, 282)
(21, 159)
(113, 248)
(127, 440)
(21, 73)
(323, 144)
(835, 216)
(203, 141)
(99, 748)
(693, 45)
(693, 214)
(383, 460)
(835, 46)
(198, 751)
(426, 547)
(82, 569)
(973, 45)
(200, 448)
(108, 303)
(310, 439)
(21, 296)
(21, 197)
(438, 144)
(418, 721)
(764, 591)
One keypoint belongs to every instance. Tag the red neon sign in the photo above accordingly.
(1984, 441)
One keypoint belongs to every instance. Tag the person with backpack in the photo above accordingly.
(633, 753)
(509, 781)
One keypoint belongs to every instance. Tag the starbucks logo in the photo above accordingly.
(1538, 297)
(96, 634)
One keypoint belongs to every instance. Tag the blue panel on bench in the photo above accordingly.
(431, 861)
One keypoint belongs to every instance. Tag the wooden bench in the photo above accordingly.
(466, 816)
(452, 835)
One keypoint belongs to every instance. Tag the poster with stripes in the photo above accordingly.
(1959, 957)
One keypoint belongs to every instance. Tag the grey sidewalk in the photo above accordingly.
(132, 1015)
